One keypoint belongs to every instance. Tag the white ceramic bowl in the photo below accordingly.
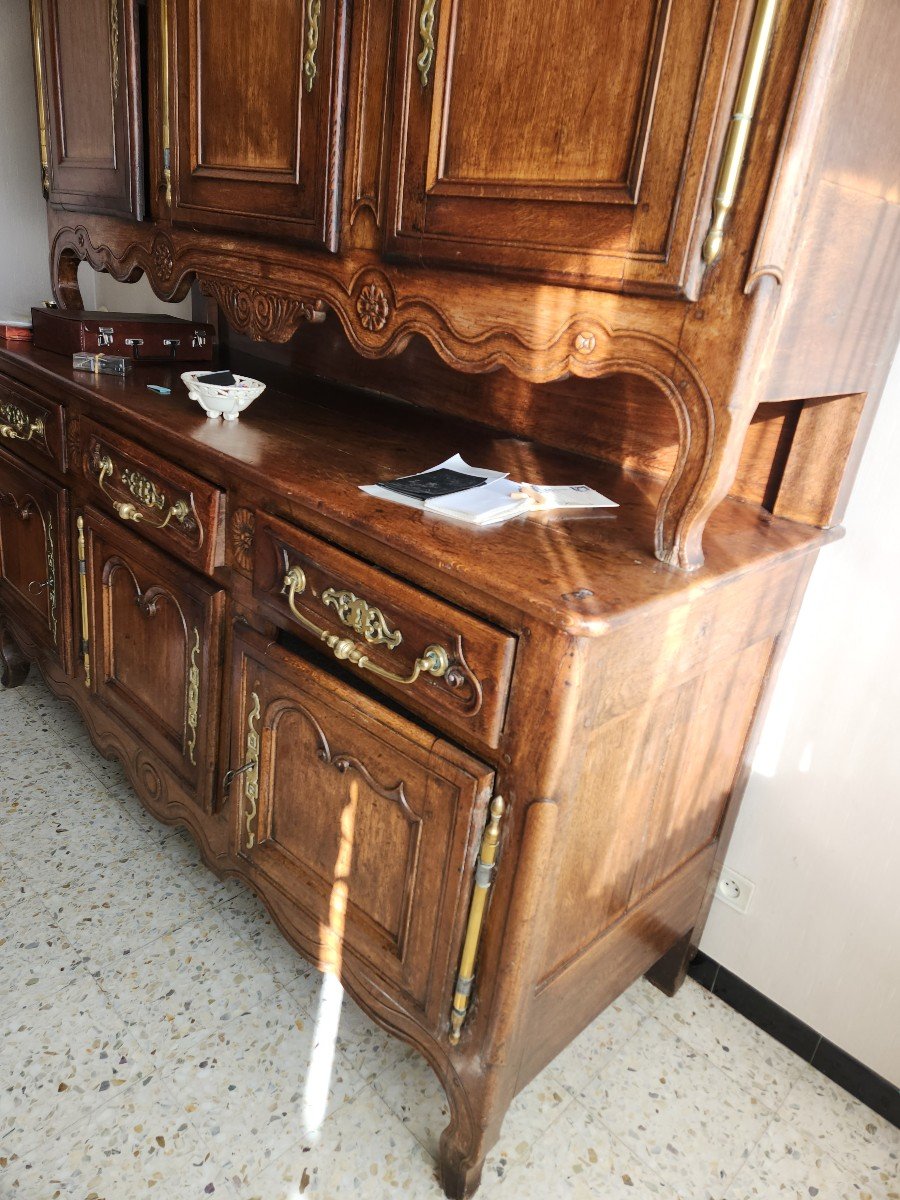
(217, 400)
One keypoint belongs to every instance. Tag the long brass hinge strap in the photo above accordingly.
(732, 164)
(82, 583)
(484, 874)
(37, 50)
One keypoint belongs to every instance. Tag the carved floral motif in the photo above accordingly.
(373, 307)
(163, 257)
(262, 315)
(243, 531)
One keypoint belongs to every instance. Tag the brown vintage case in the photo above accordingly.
(142, 337)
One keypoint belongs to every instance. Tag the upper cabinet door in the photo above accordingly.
(259, 95)
(562, 141)
(89, 71)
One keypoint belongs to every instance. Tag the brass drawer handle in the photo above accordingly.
(143, 490)
(16, 425)
(435, 660)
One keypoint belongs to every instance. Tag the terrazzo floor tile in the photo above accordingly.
(592, 1050)
(123, 795)
(646, 996)
(12, 882)
(58, 1060)
(857, 1137)
(677, 1112)
(36, 958)
(361, 1151)
(579, 1159)
(78, 830)
(260, 1084)
(135, 1146)
(248, 917)
(183, 855)
(758, 1063)
(118, 907)
(185, 984)
(788, 1165)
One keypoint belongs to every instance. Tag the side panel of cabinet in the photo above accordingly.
(35, 579)
(365, 822)
(259, 97)
(155, 635)
(91, 69)
(562, 141)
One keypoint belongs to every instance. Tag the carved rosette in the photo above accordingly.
(163, 258)
(373, 307)
(243, 531)
(263, 315)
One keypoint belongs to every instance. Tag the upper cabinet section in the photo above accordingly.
(258, 103)
(89, 97)
(559, 141)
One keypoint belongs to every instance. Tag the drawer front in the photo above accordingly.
(31, 426)
(155, 646)
(168, 505)
(35, 578)
(367, 824)
(435, 659)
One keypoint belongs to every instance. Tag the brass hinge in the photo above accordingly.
(484, 876)
(164, 98)
(82, 583)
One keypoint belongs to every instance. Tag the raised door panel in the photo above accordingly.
(155, 635)
(35, 580)
(91, 68)
(363, 820)
(258, 90)
(562, 141)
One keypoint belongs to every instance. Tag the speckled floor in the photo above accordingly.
(158, 1038)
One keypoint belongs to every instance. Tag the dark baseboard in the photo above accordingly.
(839, 1066)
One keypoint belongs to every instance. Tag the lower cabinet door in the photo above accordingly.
(362, 821)
(34, 560)
(155, 645)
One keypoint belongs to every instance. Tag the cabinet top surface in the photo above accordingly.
(305, 455)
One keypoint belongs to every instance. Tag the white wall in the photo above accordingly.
(101, 291)
(819, 830)
(24, 270)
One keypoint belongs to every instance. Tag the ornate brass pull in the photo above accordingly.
(739, 132)
(142, 489)
(16, 425)
(426, 34)
(192, 699)
(251, 768)
(484, 874)
(82, 584)
(313, 13)
(363, 617)
(434, 661)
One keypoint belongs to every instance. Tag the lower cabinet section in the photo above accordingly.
(363, 821)
(34, 559)
(155, 647)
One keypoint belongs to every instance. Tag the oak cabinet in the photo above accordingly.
(364, 819)
(258, 91)
(89, 84)
(588, 168)
(34, 567)
(155, 636)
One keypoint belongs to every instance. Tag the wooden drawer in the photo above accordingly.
(35, 577)
(359, 827)
(384, 627)
(31, 426)
(168, 505)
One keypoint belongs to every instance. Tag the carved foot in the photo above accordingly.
(13, 663)
(460, 1174)
(668, 974)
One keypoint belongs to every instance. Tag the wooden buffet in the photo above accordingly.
(485, 776)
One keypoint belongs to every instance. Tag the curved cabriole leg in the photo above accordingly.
(13, 663)
(478, 1101)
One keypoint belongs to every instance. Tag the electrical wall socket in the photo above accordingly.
(735, 890)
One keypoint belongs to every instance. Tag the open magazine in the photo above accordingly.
(481, 497)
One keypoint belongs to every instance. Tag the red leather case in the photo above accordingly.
(142, 337)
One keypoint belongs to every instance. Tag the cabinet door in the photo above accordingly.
(90, 63)
(34, 562)
(366, 822)
(559, 141)
(258, 90)
(155, 636)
